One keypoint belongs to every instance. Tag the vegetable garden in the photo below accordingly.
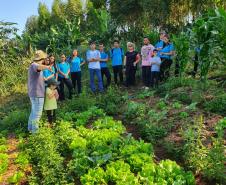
(172, 135)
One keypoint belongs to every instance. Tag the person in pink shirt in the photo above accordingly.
(146, 53)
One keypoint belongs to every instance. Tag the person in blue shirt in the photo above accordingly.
(103, 65)
(160, 44)
(117, 54)
(64, 77)
(48, 74)
(76, 63)
(166, 54)
(155, 68)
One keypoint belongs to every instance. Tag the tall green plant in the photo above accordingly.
(209, 34)
(181, 43)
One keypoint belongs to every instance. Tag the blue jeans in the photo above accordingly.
(92, 72)
(36, 113)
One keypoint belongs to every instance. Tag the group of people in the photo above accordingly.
(46, 78)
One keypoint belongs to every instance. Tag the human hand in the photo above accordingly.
(50, 68)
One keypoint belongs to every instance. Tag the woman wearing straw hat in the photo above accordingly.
(36, 89)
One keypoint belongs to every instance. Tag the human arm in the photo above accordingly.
(156, 61)
(50, 93)
(49, 77)
(124, 62)
(137, 60)
(43, 67)
(56, 94)
(167, 53)
(89, 58)
(82, 62)
(105, 59)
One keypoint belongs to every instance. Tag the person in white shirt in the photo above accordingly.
(146, 53)
(93, 57)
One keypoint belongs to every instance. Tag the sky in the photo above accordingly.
(19, 10)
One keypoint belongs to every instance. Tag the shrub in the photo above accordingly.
(111, 101)
(16, 120)
(134, 110)
(208, 161)
(217, 105)
(46, 160)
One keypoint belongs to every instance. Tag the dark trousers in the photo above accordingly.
(165, 69)
(69, 85)
(155, 78)
(130, 75)
(105, 72)
(117, 70)
(51, 115)
(146, 75)
(76, 78)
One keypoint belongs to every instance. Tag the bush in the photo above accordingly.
(16, 120)
(202, 159)
(135, 110)
(46, 160)
(217, 105)
(174, 83)
(111, 101)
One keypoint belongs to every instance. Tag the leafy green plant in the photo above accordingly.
(109, 123)
(136, 147)
(209, 161)
(138, 160)
(192, 106)
(16, 178)
(119, 173)
(22, 160)
(183, 115)
(134, 110)
(153, 132)
(45, 158)
(208, 34)
(156, 117)
(181, 43)
(162, 105)
(15, 120)
(145, 94)
(167, 172)
(111, 101)
(216, 156)
(94, 176)
(217, 105)
(3, 148)
(177, 105)
(4, 162)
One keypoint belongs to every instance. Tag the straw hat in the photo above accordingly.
(40, 55)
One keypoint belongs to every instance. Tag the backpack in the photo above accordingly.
(113, 50)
